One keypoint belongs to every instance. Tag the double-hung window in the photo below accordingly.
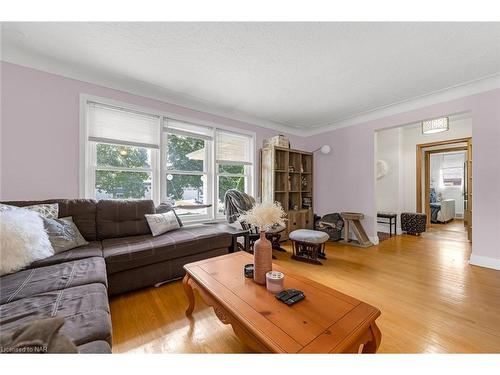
(187, 172)
(132, 153)
(122, 149)
(234, 165)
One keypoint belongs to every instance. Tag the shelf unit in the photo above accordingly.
(287, 177)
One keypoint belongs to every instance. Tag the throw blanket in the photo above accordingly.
(235, 203)
(435, 208)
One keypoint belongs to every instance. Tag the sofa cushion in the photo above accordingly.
(34, 281)
(120, 218)
(95, 347)
(154, 273)
(83, 212)
(38, 336)
(85, 309)
(93, 249)
(137, 251)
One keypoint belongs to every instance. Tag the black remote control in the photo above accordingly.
(290, 296)
(297, 298)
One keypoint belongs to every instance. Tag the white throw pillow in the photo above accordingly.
(23, 240)
(162, 223)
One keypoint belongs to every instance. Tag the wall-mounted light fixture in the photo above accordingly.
(325, 149)
(437, 125)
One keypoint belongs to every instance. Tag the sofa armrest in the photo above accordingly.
(447, 209)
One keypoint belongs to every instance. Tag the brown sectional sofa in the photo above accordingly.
(122, 256)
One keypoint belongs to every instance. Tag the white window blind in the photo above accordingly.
(187, 129)
(109, 124)
(167, 159)
(452, 168)
(455, 160)
(233, 147)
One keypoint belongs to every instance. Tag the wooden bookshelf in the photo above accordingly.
(287, 177)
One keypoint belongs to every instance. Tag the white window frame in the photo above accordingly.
(158, 166)
(207, 169)
(249, 173)
(93, 167)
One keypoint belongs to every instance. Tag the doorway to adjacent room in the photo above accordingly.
(444, 186)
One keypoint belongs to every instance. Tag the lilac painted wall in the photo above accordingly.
(346, 180)
(40, 149)
(40, 131)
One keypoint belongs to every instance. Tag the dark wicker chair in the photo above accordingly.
(331, 224)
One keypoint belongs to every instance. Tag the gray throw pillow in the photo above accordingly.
(39, 336)
(63, 234)
(166, 207)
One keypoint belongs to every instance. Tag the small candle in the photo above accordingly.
(275, 281)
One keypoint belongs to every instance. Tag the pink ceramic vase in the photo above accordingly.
(262, 258)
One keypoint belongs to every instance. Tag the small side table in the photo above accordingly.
(235, 233)
(389, 216)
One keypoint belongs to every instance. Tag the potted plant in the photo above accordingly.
(263, 216)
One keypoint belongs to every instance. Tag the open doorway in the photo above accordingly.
(398, 158)
(444, 185)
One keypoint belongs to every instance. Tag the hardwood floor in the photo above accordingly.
(431, 300)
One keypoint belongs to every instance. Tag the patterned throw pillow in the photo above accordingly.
(48, 210)
(166, 207)
(63, 234)
(162, 223)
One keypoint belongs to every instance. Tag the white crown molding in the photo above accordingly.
(36, 61)
(455, 92)
(477, 260)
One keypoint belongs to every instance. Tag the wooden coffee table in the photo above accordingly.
(326, 321)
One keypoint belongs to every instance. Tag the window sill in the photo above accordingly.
(202, 221)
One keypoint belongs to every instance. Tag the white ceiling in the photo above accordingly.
(295, 75)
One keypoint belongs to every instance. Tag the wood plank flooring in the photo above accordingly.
(432, 300)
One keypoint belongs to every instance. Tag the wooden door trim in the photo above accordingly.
(469, 183)
(420, 156)
(427, 208)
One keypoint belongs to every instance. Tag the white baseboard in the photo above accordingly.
(478, 260)
(374, 239)
(385, 228)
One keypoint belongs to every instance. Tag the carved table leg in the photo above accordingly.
(372, 345)
(189, 294)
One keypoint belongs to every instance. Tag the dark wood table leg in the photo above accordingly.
(246, 237)
(188, 289)
(235, 243)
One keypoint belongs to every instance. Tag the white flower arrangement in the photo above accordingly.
(265, 215)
